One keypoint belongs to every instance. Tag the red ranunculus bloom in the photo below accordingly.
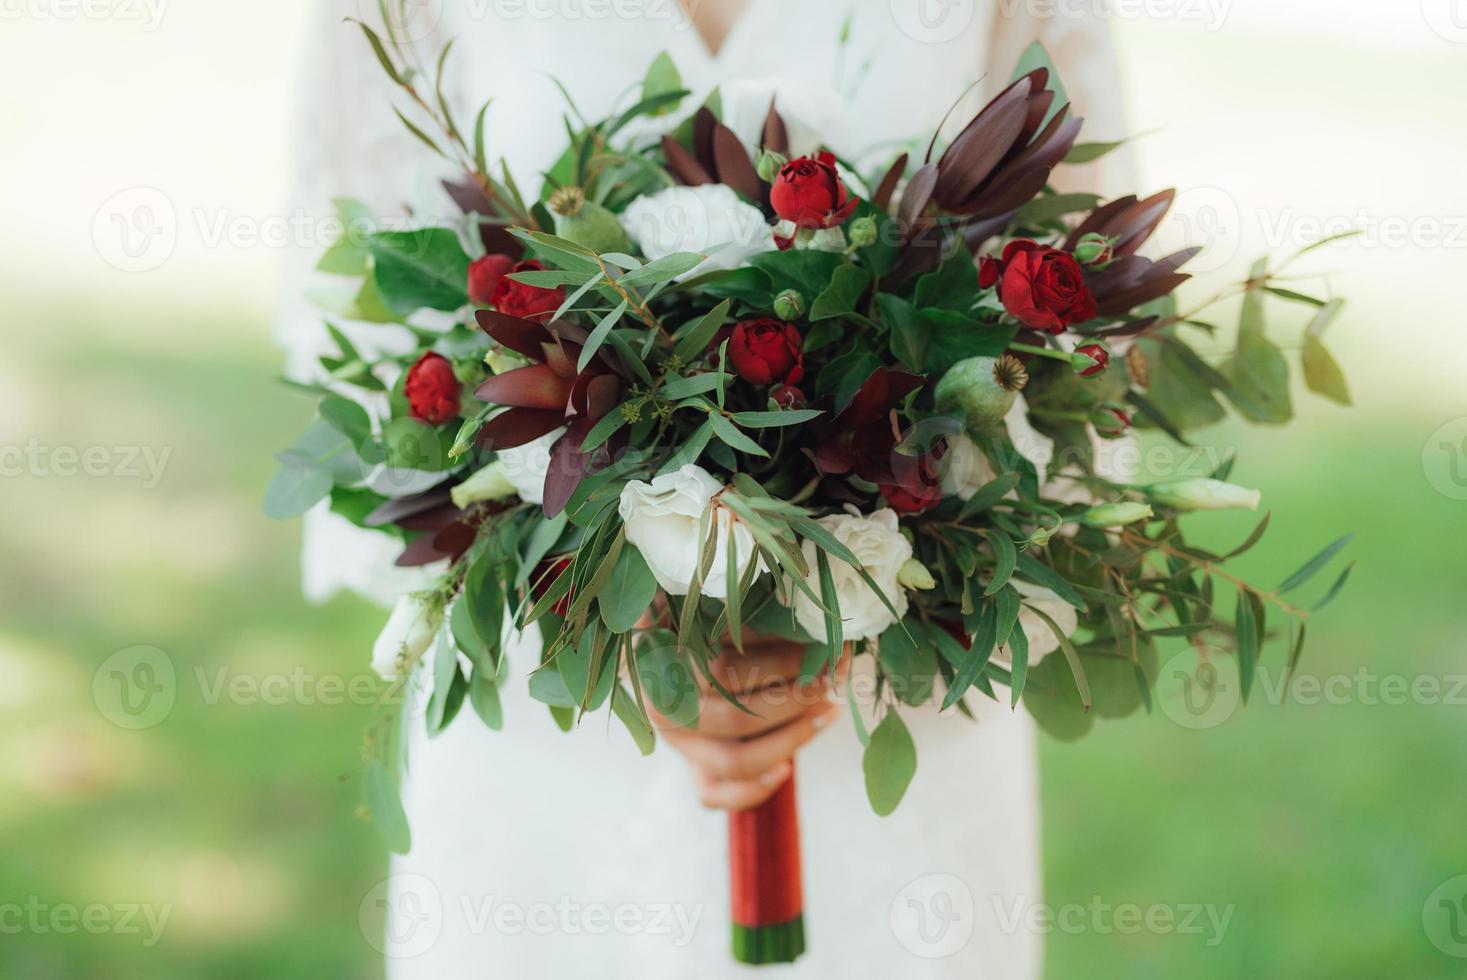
(767, 351)
(1042, 287)
(485, 275)
(432, 389)
(1096, 353)
(809, 192)
(918, 485)
(526, 302)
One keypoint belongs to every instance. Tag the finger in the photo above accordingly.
(765, 710)
(741, 794)
(733, 760)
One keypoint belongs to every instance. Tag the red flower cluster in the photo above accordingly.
(525, 302)
(432, 389)
(1044, 288)
(809, 192)
(767, 351)
(485, 275)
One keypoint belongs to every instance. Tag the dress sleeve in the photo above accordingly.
(1083, 50)
(346, 143)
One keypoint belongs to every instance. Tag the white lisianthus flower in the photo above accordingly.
(813, 115)
(526, 467)
(882, 551)
(485, 484)
(1042, 641)
(966, 470)
(711, 220)
(662, 520)
(408, 633)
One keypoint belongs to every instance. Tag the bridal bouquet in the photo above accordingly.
(704, 381)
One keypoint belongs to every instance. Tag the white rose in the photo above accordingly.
(699, 219)
(813, 116)
(882, 551)
(966, 470)
(1042, 641)
(408, 633)
(662, 520)
(526, 467)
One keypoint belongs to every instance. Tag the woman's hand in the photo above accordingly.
(740, 759)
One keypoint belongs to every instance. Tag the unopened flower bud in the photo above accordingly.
(1116, 514)
(789, 305)
(862, 232)
(488, 483)
(914, 575)
(1094, 250)
(1111, 421)
(769, 165)
(1089, 360)
(1200, 493)
(501, 360)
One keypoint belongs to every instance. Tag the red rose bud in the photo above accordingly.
(767, 351)
(809, 192)
(526, 302)
(1111, 422)
(1042, 287)
(432, 389)
(989, 271)
(1094, 250)
(1089, 360)
(787, 396)
(484, 277)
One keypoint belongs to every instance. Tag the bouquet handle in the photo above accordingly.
(766, 889)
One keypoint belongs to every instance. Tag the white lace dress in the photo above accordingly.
(541, 854)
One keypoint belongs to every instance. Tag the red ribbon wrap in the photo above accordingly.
(764, 861)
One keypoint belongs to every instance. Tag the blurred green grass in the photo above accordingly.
(1323, 827)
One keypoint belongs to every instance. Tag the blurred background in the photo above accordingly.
(210, 831)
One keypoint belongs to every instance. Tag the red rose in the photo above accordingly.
(918, 487)
(545, 575)
(432, 389)
(767, 351)
(809, 192)
(484, 277)
(526, 302)
(1041, 286)
(1098, 357)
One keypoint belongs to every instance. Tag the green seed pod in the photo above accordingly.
(981, 390)
(587, 223)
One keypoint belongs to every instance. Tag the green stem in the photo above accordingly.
(1052, 354)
